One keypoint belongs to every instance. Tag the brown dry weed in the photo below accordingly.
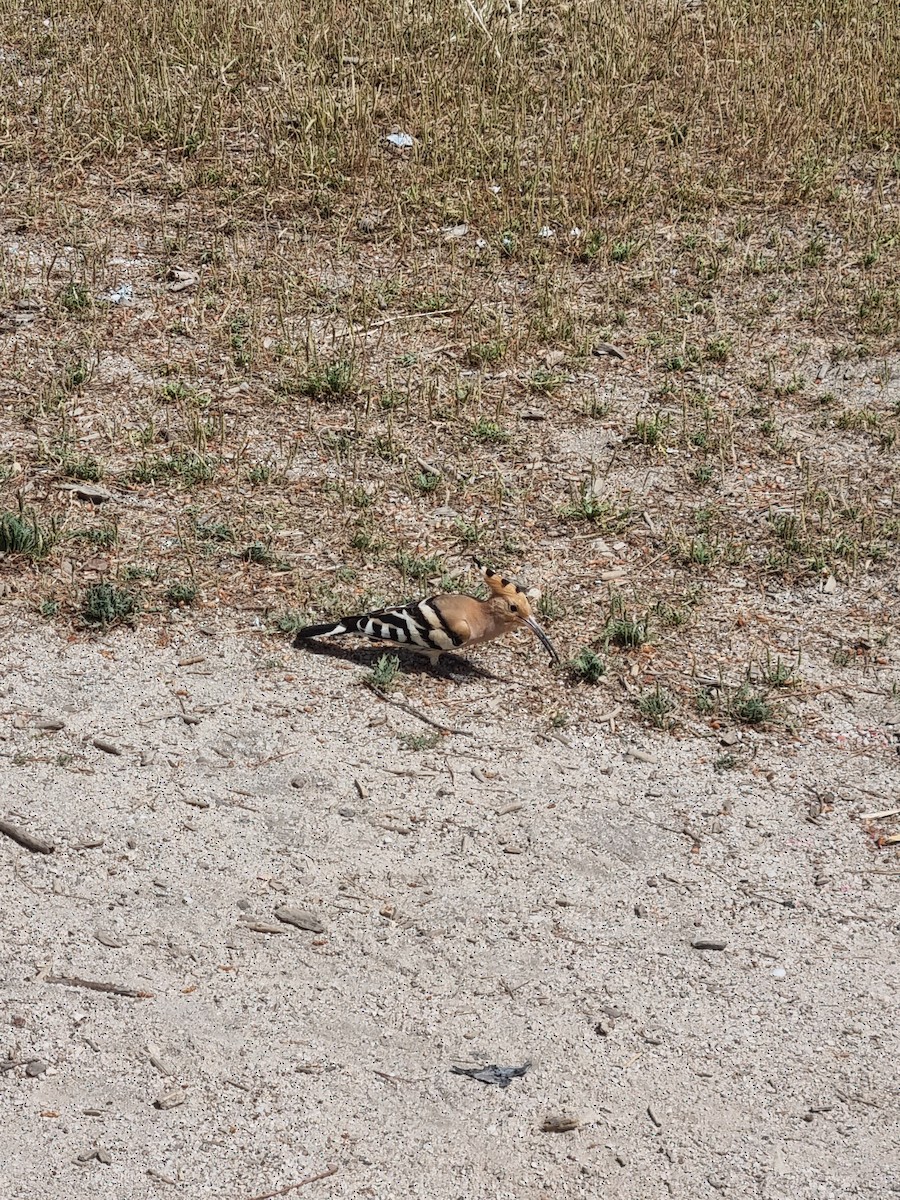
(316, 370)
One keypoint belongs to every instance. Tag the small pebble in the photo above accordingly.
(107, 938)
(302, 918)
(170, 1098)
(36, 1067)
(106, 746)
(560, 1123)
(779, 973)
(49, 724)
(708, 944)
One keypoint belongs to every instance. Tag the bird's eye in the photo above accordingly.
(513, 608)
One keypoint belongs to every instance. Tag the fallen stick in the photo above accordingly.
(414, 713)
(94, 985)
(608, 718)
(292, 1187)
(28, 840)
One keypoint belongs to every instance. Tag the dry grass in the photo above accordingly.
(344, 366)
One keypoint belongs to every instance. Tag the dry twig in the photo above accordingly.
(292, 1187)
(28, 840)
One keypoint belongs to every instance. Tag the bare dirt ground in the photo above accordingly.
(509, 897)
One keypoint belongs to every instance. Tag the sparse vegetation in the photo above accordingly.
(104, 604)
(416, 742)
(384, 674)
(182, 594)
(587, 666)
(657, 706)
(318, 343)
(102, 536)
(598, 510)
(23, 534)
(337, 380)
(85, 467)
(291, 622)
(749, 706)
(486, 430)
(625, 629)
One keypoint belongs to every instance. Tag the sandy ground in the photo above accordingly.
(502, 898)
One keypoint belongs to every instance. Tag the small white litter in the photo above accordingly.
(122, 293)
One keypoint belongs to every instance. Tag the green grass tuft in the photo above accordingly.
(588, 666)
(103, 604)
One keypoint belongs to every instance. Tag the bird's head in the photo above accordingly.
(510, 605)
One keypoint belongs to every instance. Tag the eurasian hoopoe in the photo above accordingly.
(446, 622)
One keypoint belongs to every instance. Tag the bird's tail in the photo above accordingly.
(334, 628)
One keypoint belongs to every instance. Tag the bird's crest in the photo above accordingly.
(501, 586)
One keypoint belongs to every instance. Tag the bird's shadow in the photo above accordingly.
(449, 666)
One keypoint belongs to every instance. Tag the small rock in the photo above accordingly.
(651, 1113)
(49, 724)
(36, 1067)
(301, 918)
(88, 492)
(122, 293)
(560, 1123)
(103, 1156)
(182, 280)
(500, 1076)
(778, 973)
(106, 746)
(452, 233)
(604, 349)
(107, 938)
(730, 738)
(170, 1098)
(708, 944)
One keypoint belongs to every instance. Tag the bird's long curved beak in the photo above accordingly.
(536, 629)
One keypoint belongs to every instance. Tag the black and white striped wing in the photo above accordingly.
(419, 626)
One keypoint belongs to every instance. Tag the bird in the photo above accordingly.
(445, 622)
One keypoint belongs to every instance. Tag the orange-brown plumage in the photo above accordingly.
(445, 622)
